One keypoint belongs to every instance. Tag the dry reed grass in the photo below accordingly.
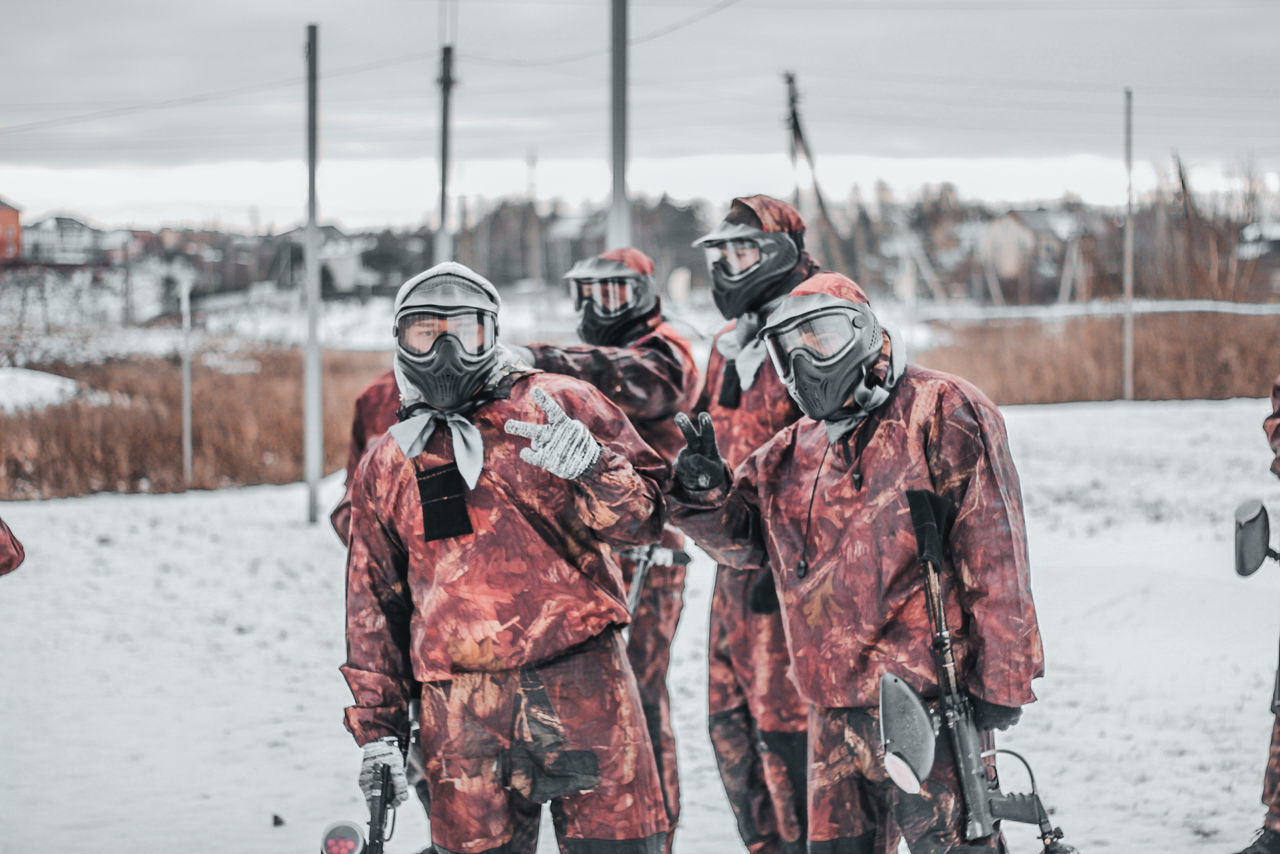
(1177, 357)
(246, 428)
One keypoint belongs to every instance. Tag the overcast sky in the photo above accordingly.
(143, 112)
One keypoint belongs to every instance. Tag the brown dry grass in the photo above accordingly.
(246, 428)
(1177, 357)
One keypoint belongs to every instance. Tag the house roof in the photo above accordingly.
(1060, 224)
(5, 204)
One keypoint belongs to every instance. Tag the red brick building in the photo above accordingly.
(10, 232)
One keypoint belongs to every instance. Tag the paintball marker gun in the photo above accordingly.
(345, 837)
(645, 557)
(909, 731)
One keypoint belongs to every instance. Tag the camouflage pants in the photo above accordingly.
(649, 650)
(1271, 782)
(854, 808)
(569, 732)
(756, 718)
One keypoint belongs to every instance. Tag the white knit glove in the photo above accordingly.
(384, 751)
(563, 446)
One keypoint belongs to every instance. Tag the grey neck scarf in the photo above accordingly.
(866, 398)
(413, 433)
(743, 348)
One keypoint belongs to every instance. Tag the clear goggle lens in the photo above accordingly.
(418, 332)
(823, 336)
(609, 296)
(735, 256)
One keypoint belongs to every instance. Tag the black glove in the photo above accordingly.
(764, 595)
(699, 466)
(991, 716)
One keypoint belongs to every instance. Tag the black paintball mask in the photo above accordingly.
(613, 299)
(822, 348)
(446, 328)
(748, 266)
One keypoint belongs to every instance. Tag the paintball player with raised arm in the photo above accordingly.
(642, 364)
(1268, 839)
(756, 718)
(824, 504)
(480, 566)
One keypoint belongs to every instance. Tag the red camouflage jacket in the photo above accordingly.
(532, 580)
(1272, 426)
(11, 553)
(650, 379)
(859, 610)
(761, 411)
(375, 413)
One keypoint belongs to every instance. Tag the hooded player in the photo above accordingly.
(757, 721)
(481, 565)
(642, 364)
(824, 505)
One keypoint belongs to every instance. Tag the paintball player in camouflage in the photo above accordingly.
(756, 719)
(481, 566)
(824, 505)
(1268, 839)
(642, 364)
(11, 553)
(375, 412)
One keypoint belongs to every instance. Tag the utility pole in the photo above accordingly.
(1128, 245)
(620, 206)
(444, 240)
(185, 298)
(312, 420)
(796, 140)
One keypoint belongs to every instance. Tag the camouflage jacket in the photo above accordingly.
(746, 420)
(532, 579)
(859, 609)
(11, 553)
(650, 379)
(1272, 426)
(375, 413)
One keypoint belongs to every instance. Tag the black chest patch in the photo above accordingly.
(444, 502)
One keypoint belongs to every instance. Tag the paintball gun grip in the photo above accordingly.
(966, 744)
(378, 811)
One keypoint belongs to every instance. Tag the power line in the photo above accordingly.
(650, 36)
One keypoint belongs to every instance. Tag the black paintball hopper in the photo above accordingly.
(909, 734)
(1253, 537)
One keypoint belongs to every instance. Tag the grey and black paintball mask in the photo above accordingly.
(446, 328)
(615, 293)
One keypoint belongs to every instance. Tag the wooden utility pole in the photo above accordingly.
(619, 232)
(312, 420)
(1128, 245)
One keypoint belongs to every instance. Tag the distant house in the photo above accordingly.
(1025, 251)
(1259, 248)
(10, 232)
(62, 240)
(342, 273)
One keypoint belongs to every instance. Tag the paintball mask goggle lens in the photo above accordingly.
(825, 337)
(734, 256)
(610, 297)
(418, 332)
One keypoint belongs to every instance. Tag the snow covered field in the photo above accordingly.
(170, 666)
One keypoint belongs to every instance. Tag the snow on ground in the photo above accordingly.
(21, 389)
(171, 682)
